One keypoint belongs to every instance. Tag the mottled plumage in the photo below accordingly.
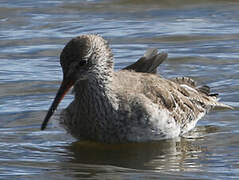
(125, 106)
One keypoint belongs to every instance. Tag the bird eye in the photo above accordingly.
(82, 62)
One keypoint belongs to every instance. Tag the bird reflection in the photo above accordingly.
(162, 155)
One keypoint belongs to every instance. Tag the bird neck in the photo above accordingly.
(95, 94)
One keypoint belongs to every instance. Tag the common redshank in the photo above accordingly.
(125, 106)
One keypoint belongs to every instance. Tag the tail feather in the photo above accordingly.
(219, 105)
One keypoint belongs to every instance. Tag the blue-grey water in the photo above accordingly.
(202, 40)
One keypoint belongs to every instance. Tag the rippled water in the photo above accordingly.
(202, 40)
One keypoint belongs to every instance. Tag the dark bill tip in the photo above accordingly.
(64, 88)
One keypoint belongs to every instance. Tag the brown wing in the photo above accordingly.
(181, 97)
(190, 82)
(149, 62)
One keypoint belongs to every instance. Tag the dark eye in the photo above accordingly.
(82, 62)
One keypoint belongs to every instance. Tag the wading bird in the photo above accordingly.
(131, 105)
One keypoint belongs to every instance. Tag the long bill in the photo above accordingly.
(64, 88)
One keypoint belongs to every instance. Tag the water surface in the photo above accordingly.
(202, 40)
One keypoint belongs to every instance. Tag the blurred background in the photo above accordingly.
(202, 41)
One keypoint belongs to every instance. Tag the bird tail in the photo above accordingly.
(219, 105)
